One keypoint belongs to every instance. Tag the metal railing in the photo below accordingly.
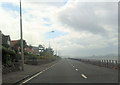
(101, 63)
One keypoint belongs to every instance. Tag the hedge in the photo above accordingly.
(8, 56)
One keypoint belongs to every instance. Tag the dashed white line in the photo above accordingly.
(84, 76)
(76, 69)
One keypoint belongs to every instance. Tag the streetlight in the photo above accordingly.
(22, 55)
(49, 36)
(56, 50)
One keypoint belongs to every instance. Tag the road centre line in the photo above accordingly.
(76, 69)
(83, 76)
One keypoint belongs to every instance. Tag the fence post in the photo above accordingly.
(101, 62)
(110, 62)
(113, 64)
(107, 64)
(116, 62)
(104, 63)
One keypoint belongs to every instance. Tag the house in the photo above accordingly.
(27, 49)
(6, 41)
(41, 48)
(35, 50)
(18, 43)
(17, 49)
(14, 42)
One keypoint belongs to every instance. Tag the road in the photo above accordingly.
(72, 71)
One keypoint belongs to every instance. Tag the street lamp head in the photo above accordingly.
(52, 31)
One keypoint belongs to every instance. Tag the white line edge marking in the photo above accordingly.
(36, 75)
(83, 76)
(33, 77)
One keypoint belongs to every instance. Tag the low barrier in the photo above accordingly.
(101, 63)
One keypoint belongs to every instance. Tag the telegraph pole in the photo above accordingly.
(22, 53)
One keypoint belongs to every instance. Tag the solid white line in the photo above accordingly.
(83, 76)
(37, 74)
(32, 77)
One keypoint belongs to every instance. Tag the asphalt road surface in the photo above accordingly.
(72, 71)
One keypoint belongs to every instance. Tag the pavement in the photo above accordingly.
(14, 77)
(72, 71)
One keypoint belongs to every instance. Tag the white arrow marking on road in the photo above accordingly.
(83, 76)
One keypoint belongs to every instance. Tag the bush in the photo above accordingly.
(6, 45)
(52, 58)
(8, 55)
(26, 53)
(42, 57)
(8, 60)
(32, 56)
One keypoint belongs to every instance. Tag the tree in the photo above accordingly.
(30, 46)
(48, 52)
(41, 50)
(6, 45)
(8, 56)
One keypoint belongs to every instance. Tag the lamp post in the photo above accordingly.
(56, 50)
(21, 32)
(49, 39)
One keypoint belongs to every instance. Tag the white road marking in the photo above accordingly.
(36, 74)
(33, 77)
(76, 69)
(73, 66)
(43, 70)
(83, 76)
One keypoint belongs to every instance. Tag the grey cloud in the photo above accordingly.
(56, 3)
(82, 17)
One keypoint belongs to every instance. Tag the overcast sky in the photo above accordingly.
(80, 28)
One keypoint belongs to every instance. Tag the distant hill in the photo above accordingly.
(102, 57)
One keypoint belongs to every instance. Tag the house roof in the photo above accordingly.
(28, 49)
(14, 42)
(5, 38)
(36, 48)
